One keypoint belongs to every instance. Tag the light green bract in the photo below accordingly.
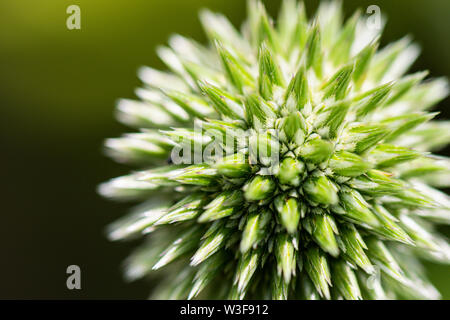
(349, 208)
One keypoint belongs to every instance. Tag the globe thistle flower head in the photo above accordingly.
(299, 166)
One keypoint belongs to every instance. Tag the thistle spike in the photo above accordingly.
(321, 190)
(289, 212)
(362, 63)
(259, 188)
(338, 84)
(316, 150)
(374, 101)
(234, 166)
(358, 209)
(285, 254)
(317, 268)
(257, 112)
(362, 137)
(184, 244)
(348, 164)
(222, 206)
(345, 281)
(324, 230)
(290, 172)
(340, 51)
(254, 229)
(314, 50)
(223, 102)
(293, 128)
(331, 118)
(211, 244)
(354, 248)
(269, 73)
(236, 70)
(247, 267)
(297, 93)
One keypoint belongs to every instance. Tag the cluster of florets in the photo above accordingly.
(300, 164)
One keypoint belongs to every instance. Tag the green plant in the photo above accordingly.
(327, 189)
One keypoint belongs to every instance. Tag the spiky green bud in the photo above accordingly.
(285, 255)
(292, 128)
(348, 164)
(259, 188)
(234, 166)
(317, 268)
(324, 231)
(316, 150)
(321, 190)
(224, 205)
(291, 171)
(289, 210)
(255, 229)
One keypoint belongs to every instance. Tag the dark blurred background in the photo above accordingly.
(57, 93)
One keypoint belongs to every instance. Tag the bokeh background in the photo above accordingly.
(58, 88)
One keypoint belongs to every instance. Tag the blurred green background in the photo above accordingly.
(57, 93)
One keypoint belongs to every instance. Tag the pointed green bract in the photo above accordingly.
(289, 211)
(386, 58)
(247, 267)
(348, 164)
(356, 208)
(338, 84)
(376, 183)
(234, 166)
(293, 128)
(297, 93)
(402, 124)
(225, 204)
(345, 281)
(285, 254)
(362, 137)
(403, 86)
(211, 244)
(257, 112)
(255, 229)
(264, 148)
(223, 102)
(374, 101)
(321, 190)
(186, 209)
(340, 51)
(184, 244)
(362, 63)
(291, 171)
(259, 188)
(324, 230)
(331, 118)
(201, 175)
(389, 226)
(317, 268)
(235, 70)
(269, 73)
(386, 155)
(316, 150)
(353, 248)
(314, 50)
(206, 273)
(192, 104)
(279, 286)
(380, 255)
